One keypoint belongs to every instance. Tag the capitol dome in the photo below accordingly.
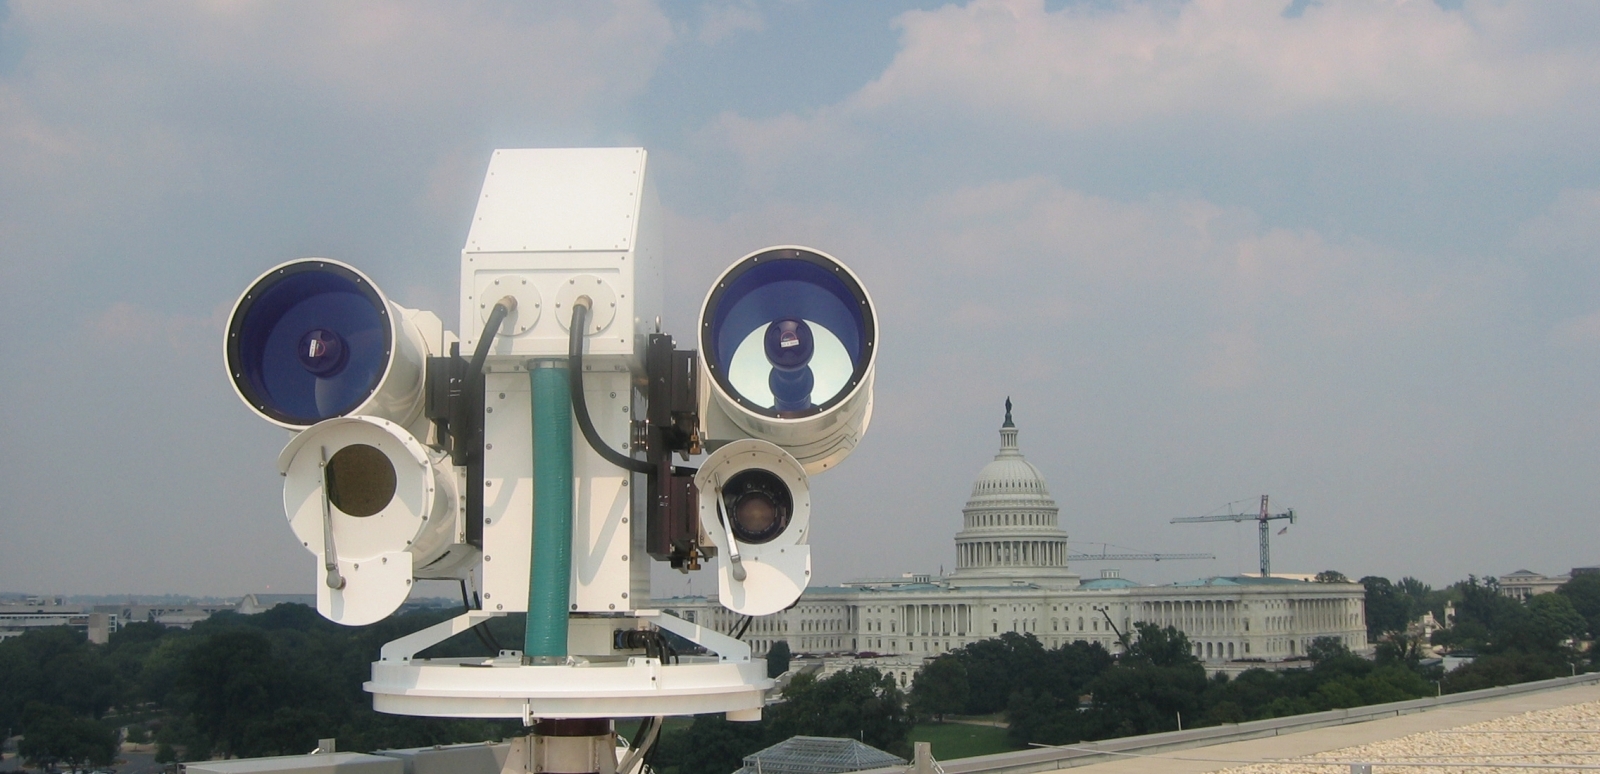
(1010, 533)
(1009, 474)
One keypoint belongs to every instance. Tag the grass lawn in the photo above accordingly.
(961, 740)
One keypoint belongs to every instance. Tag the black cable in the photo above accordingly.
(467, 436)
(580, 404)
(650, 757)
(497, 315)
(638, 736)
(744, 626)
(482, 630)
(647, 737)
(664, 649)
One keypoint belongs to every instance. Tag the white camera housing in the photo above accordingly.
(756, 578)
(740, 390)
(372, 358)
(551, 225)
(392, 512)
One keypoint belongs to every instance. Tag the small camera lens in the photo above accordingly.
(759, 505)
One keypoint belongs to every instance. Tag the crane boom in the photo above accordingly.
(1105, 553)
(1136, 557)
(1262, 520)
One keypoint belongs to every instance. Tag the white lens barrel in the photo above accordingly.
(390, 506)
(788, 351)
(314, 338)
(778, 569)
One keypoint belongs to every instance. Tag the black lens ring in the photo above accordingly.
(236, 368)
(758, 482)
(868, 329)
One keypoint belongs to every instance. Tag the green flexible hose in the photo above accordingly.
(546, 634)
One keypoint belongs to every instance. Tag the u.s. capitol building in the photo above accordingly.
(1011, 576)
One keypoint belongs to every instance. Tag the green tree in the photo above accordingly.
(941, 688)
(1551, 620)
(1046, 687)
(1325, 648)
(56, 666)
(858, 703)
(1584, 593)
(1331, 576)
(1420, 598)
(233, 682)
(778, 658)
(1161, 646)
(53, 734)
(999, 667)
(1156, 681)
(1388, 609)
(1499, 669)
(710, 744)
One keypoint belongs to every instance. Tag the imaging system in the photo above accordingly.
(553, 446)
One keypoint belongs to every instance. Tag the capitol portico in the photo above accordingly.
(1011, 575)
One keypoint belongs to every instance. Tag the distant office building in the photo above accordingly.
(261, 603)
(15, 619)
(179, 616)
(1011, 575)
(1524, 584)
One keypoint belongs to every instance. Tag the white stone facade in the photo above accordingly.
(1011, 576)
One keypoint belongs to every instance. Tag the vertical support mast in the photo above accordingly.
(1263, 521)
(1266, 540)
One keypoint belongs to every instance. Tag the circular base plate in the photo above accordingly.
(504, 688)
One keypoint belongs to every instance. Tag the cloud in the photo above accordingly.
(1570, 225)
(996, 77)
(123, 324)
(402, 56)
(178, 97)
(1010, 268)
(1577, 331)
(724, 21)
(1088, 64)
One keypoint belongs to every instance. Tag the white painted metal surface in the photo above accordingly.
(585, 687)
(602, 545)
(606, 569)
(329, 763)
(375, 553)
(508, 490)
(548, 216)
(776, 572)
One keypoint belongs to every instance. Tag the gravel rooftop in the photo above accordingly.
(1542, 740)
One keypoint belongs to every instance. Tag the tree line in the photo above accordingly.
(1510, 641)
(1081, 691)
(276, 682)
(233, 685)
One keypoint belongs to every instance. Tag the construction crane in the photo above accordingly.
(1261, 519)
(1106, 555)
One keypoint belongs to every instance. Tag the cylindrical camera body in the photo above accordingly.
(788, 346)
(314, 339)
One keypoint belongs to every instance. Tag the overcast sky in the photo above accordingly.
(1341, 253)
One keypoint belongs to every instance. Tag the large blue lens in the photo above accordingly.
(793, 297)
(311, 341)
